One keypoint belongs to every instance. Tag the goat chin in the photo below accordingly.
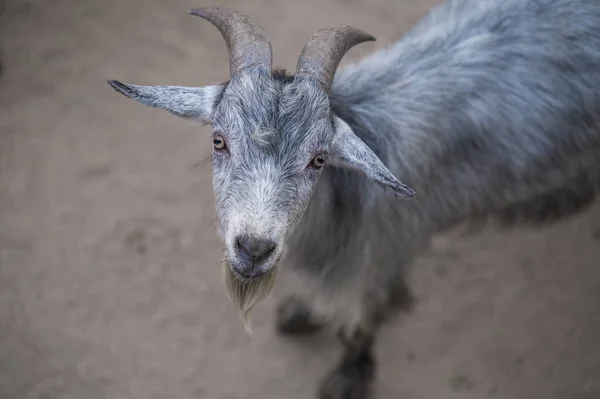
(245, 294)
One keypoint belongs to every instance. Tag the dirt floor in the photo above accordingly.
(109, 278)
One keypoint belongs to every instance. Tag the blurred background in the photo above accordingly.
(109, 276)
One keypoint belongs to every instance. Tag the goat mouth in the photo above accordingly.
(257, 274)
(254, 271)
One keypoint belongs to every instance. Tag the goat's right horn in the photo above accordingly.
(246, 41)
(323, 53)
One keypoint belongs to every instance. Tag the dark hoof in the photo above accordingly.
(351, 379)
(340, 385)
(295, 318)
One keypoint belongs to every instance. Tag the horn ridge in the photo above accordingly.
(246, 41)
(324, 51)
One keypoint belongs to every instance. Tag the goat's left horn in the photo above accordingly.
(246, 41)
(323, 53)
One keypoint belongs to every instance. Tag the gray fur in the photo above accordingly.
(487, 109)
(483, 107)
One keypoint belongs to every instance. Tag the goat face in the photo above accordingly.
(270, 142)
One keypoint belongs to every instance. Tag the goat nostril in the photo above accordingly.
(256, 249)
(265, 252)
(239, 246)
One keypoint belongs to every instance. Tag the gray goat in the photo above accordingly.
(486, 109)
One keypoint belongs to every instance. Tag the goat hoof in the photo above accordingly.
(294, 317)
(342, 385)
(351, 379)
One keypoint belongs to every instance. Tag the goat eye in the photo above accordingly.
(318, 161)
(218, 142)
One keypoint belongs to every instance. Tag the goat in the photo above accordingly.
(487, 109)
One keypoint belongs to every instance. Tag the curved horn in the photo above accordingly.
(323, 53)
(246, 41)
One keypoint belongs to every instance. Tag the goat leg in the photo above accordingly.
(294, 317)
(352, 377)
(354, 374)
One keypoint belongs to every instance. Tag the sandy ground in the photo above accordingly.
(109, 278)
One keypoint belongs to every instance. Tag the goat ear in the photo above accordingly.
(188, 102)
(351, 151)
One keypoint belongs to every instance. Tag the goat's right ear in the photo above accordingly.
(188, 102)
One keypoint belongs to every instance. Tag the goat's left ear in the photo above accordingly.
(351, 151)
(188, 102)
